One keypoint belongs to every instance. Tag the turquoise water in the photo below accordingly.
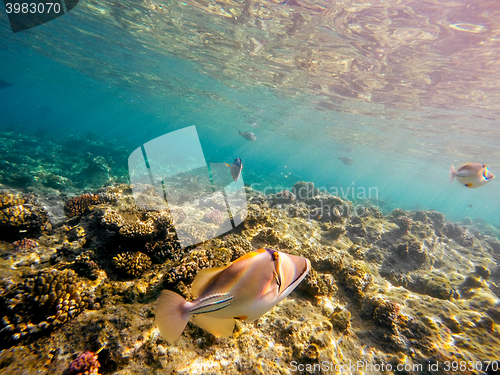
(84, 72)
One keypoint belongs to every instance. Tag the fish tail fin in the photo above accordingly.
(239, 132)
(452, 173)
(171, 316)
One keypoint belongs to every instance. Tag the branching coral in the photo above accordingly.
(77, 206)
(41, 303)
(133, 264)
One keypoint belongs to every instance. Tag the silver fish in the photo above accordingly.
(248, 136)
(244, 290)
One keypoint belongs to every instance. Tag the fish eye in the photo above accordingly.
(276, 255)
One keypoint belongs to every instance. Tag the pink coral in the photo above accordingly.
(25, 245)
(214, 216)
(85, 364)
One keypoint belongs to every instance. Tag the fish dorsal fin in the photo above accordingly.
(204, 278)
(217, 327)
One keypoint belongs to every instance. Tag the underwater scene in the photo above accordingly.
(249, 187)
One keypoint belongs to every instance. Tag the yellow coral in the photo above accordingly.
(137, 229)
(7, 199)
(133, 264)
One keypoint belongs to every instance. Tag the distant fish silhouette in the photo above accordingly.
(4, 84)
(346, 160)
(253, 122)
(248, 136)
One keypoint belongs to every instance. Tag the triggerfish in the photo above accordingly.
(236, 168)
(245, 289)
(472, 175)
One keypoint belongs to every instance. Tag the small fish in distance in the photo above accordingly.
(248, 136)
(4, 84)
(253, 122)
(244, 290)
(346, 160)
(472, 175)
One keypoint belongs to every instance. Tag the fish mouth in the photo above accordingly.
(303, 273)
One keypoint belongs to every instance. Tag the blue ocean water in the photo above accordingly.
(82, 73)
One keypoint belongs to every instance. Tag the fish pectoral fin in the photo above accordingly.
(243, 317)
(203, 279)
(469, 185)
(217, 327)
(228, 165)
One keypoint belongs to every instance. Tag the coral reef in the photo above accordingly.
(214, 217)
(341, 319)
(111, 219)
(194, 261)
(86, 363)
(21, 215)
(86, 265)
(79, 205)
(138, 229)
(133, 264)
(395, 289)
(195, 233)
(25, 245)
(162, 250)
(40, 303)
